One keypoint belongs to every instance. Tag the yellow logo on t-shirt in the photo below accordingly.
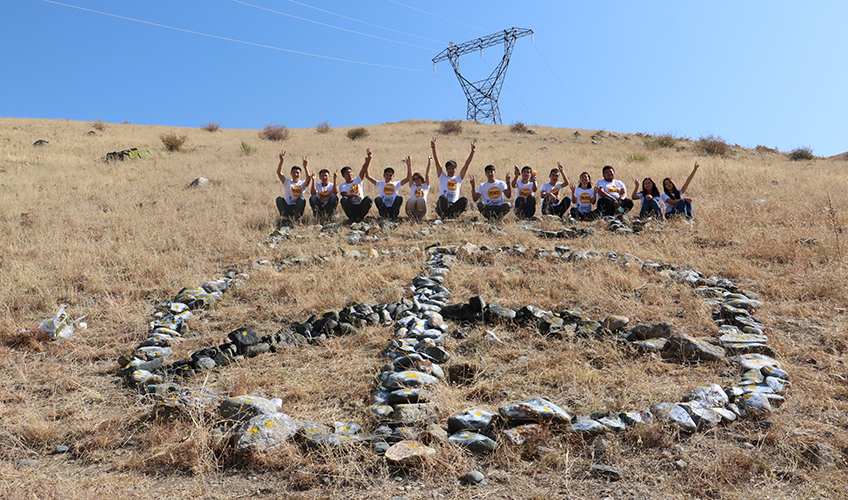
(389, 189)
(452, 185)
(585, 198)
(524, 192)
(296, 191)
(614, 189)
(419, 193)
(324, 196)
(494, 192)
(354, 189)
(555, 192)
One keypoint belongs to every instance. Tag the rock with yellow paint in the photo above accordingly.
(265, 432)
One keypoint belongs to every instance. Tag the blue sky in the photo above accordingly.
(753, 72)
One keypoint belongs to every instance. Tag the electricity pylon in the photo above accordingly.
(483, 95)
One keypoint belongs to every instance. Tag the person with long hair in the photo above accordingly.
(583, 196)
(650, 197)
(676, 201)
(419, 188)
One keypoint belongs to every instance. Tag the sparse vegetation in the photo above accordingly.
(211, 126)
(801, 153)
(99, 125)
(357, 133)
(323, 127)
(766, 149)
(518, 128)
(713, 145)
(636, 158)
(274, 132)
(173, 142)
(666, 140)
(447, 127)
(247, 149)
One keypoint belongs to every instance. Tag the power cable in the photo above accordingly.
(449, 86)
(230, 39)
(563, 87)
(330, 25)
(435, 15)
(365, 22)
(514, 95)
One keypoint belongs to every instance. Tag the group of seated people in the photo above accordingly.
(587, 202)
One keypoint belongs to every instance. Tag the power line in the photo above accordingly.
(514, 95)
(365, 22)
(435, 15)
(230, 39)
(330, 25)
(563, 87)
(446, 83)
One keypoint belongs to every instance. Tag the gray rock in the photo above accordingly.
(703, 415)
(523, 433)
(753, 362)
(474, 477)
(634, 418)
(315, 435)
(265, 432)
(586, 427)
(656, 345)
(414, 395)
(497, 314)
(409, 378)
(614, 323)
(476, 419)
(421, 413)
(754, 404)
(607, 471)
(244, 408)
(478, 443)
(674, 413)
(535, 410)
(684, 347)
(710, 395)
(408, 453)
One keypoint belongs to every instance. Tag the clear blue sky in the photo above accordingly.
(754, 72)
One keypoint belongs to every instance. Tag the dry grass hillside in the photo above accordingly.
(112, 240)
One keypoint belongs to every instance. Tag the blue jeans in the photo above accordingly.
(650, 208)
(682, 207)
(320, 209)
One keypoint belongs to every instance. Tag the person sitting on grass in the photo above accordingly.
(324, 195)
(612, 194)
(419, 188)
(583, 196)
(676, 202)
(388, 201)
(491, 196)
(450, 204)
(292, 204)
(353, 203)
(650, 197)
(551, 204)
(525, 192)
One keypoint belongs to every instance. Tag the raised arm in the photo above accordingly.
(435, 157)
(427, 172)
(309, 178)
(562, 173)
(535, 184)
(686, 184)
(474, 193)
(635, 195)
(363, 173)
(468, 161)
(508, 192)
(335, 189)
(314, 189)
(280, 173)
(408, 179)
(514, 179)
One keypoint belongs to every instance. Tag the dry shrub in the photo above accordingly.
(274, 132)
(765, 149)
(801, 153)
(713, 145)
(447, 127)
(666, 140)
(99, 125)
(173, 142)
(518, 128)
(357, 133)
(211, 126)
(323, 127)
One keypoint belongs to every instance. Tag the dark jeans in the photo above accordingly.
(550, 209)
(607, 206)
(651, 208)
(493, 211)
(389, 211)
(295, 210)
(590, 215)
(323, 210)
(682, 207)
(355, 213)
(448, 210)
(525, 207)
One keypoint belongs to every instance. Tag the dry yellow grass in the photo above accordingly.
(112, 240)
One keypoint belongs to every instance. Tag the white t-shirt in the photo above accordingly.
(522, 189)
(614, 188)
(583, 199)
(293, 190)
(547, 188)
(492, 192)
(419, 192)
(449, 187)
(354, 187)
(324, 192)
(668, 206)
(388, 191)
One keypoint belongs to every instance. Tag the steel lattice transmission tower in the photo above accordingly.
(483, 95)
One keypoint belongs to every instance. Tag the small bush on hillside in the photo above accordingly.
(801, 153)
(636, 158)
(173, 142)
(357, 133)
(447, 127)
(99, 125)
(666, 140)
(323, 127)
(247, 149)
(518, 128)
(274, 132)
(211, 127)
(765, 149)
(713, 145)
